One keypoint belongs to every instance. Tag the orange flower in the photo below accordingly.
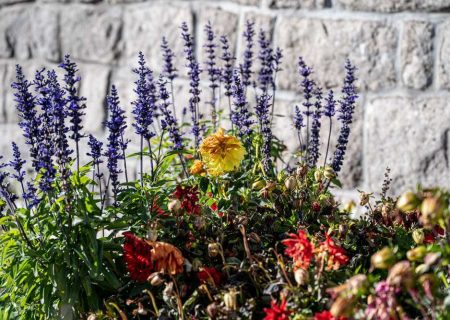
(299, 248)
(334, 255)
(198, 168)
(166, 257)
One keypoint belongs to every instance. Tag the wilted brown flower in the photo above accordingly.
(401, 274)
(166, 257)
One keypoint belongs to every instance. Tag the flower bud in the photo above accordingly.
(383, 259)
(418, 236)
(301, 276)
(329, 173)
(214, 249)
(432, 258)
(290, 183)
(316, 206)
(416, 254)
(422, 268)
(431, 211)
(343, 228)
(318, 175)
(258, 185)
(401, 274)
(156, 279)
(92, 317)
(196, 264)
(408, 201)
(174, 205)
(230, 299)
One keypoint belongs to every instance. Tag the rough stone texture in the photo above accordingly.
(94, 84)
(248, 2)
(297, 4)
(144, 27)
(326, 45)
(91, 33)
(443, 57)
(395, 5)
(416, 54)
(413, 143)
(29, 32)
(4, 85)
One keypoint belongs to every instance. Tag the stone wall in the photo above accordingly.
(401, 49)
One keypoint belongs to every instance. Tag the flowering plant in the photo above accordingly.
(216, 224)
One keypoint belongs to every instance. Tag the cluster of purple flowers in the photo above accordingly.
(315, 107)
(51, 113)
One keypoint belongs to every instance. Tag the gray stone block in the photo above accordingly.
(29, 32)
(326, 44)
(94, 87)
(144, 27)
(416, 54)
(409, 135)
(443, 57)
(91, 33)
(298, 4)
(395, 5)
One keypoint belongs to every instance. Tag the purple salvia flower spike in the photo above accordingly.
(347, 107)
(212, 69)
(194, 83)
(75, 102)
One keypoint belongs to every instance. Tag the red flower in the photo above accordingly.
(334, 254)
(210, 274)
(277, 312)
(299, 248)
(137, 255)
(214, 206)
(188, 197)
(326, 315)
(431, 237)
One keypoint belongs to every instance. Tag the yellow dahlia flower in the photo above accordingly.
(221, 153)
(198, 168)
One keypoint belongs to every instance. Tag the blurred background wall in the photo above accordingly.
(401, 49)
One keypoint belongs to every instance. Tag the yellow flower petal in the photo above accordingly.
(221, 153)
